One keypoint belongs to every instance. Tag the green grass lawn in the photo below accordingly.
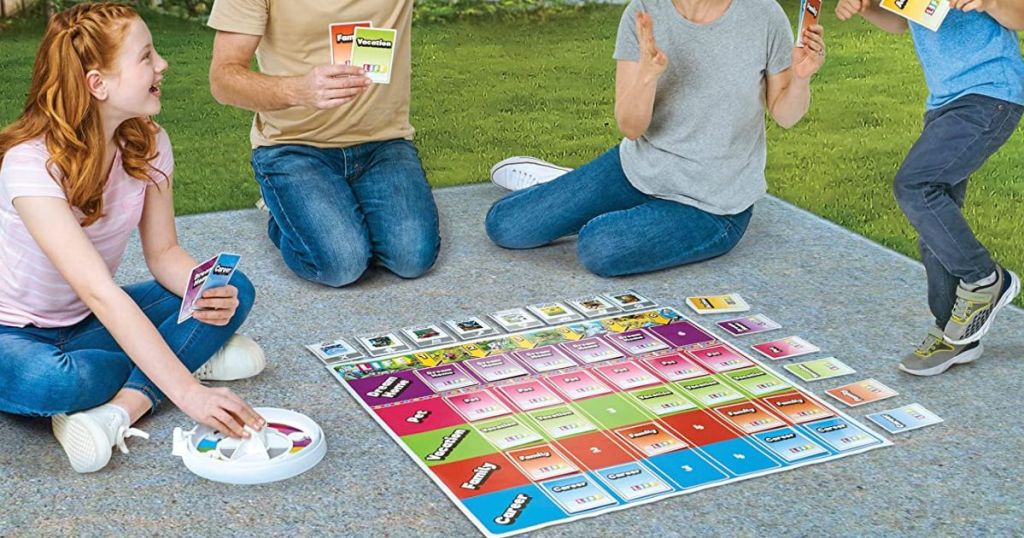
(487, 89)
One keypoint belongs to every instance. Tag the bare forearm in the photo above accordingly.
(635, 106)
(1009, 13)
(172, 268)
(139, 339)
(239, 86)
(792, 104)
(886, 20)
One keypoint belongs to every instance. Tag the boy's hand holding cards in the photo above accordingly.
(207, 296)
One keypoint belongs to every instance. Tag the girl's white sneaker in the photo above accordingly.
(87, 436)
(240, 358)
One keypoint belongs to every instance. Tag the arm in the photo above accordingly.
(637, 82)
(233, 83)
(789, 91)
(54, 228)
(873, 13)
(1009, 13)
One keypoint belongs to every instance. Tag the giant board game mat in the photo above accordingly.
(556, 423)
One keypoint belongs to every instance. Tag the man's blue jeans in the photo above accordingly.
(931, 187)
(44, 372)
(333, 210)
(621, 231)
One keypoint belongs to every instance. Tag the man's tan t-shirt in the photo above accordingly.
(295, 39)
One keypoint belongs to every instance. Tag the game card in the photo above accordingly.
(213, 273)
(516, 319)
(627, 375)
(784, 348)
(720, 358)
(709, 391)
(577, 384)
(790, 444)
(477, 405)
(809, 12)
(757, 381)
(636, 342)
(861, 392)
(675, 367)
(661, 400)
(717, 304)
(530, 395)
(927, 13)
(682, 334)
(595, 306)
(592, 350)
(841, 434)
(904, 419)
(379, 344)
(758, 323)
(335, 351)
(373, 49)
(650, 439)
(554, 313)
(545, 359)
(818, 369)
(577, 493)
(496, 368)
(542, 462)
(471, 328)
(428, 335)
(749, 417)
(633, 481)
(629, 300)
(342, 35)
(563, 421)
(798, 408)
(446, 377)
(507, 432)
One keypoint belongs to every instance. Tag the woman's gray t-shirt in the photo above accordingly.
(705, 146)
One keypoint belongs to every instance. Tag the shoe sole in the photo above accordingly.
(963, 358)
(1007, 298)
(83, 442)
(522, 160)
(252, 350)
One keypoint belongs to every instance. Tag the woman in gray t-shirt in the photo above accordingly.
(693, 83)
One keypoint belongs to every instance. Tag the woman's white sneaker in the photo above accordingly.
(88, 436)
(517, 173)
(240, 358)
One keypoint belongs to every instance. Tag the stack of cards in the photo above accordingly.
(595, 306)
(819, 369)
(516, 319)
(428, 335)
(904, 419)
(471, 328)
(380, 344)
(861, 392)
(334, 352)
(758, 323)
(717, 304)
(809, 12)
(359, 44)
(629, 300)
(555, 313)
(784, 348)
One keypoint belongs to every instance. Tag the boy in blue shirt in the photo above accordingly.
(975, 76)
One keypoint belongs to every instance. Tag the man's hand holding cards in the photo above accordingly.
(208, 297)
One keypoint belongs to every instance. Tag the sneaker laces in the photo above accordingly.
(960, 308)
(527, 175)
(930, 344)
(203, 370)
(124, 432)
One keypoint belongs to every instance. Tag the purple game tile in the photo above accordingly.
(389, 388)
(682, 333)
(591, 350)
(545, 359)
(636, 342)
(446, 377)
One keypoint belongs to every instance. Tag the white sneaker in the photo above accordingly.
(87, 436)
(517, 173)
(240, 358)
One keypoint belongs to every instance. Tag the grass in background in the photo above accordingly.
(486, 89)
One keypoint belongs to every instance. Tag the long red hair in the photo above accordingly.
(60, 108)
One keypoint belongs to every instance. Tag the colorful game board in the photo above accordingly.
(550, 425)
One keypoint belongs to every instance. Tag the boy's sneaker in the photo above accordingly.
(240, 358)
(87, 436)
(975, 308)
(517, 173)
(935, 355)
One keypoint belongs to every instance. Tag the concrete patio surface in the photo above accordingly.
(856, 300)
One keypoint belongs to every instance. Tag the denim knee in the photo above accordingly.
(502, 227)
(594, 255)
(342, 266)
(246, 295)
(415, 258)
